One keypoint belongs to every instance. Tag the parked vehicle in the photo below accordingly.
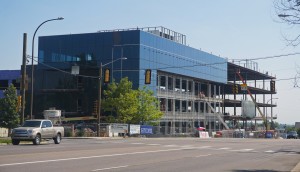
(292, 135)
(36, 130)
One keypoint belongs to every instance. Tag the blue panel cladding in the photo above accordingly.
(161, 54)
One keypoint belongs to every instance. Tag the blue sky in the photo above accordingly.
(231, 29)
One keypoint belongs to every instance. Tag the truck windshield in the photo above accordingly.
(31, 124)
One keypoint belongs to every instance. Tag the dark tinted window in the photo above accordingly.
(31, 124)
(3, 84)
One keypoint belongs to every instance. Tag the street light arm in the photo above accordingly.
(59, 18)
(121, 58)
(32, 68)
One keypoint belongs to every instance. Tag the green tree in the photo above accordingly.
(148, 107)
(9, 113)
(121, 100)
(130, 106)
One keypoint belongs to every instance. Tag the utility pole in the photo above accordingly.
(99, 101)
(23, 84)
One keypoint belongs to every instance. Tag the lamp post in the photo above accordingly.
(100, 92)
(32, 67)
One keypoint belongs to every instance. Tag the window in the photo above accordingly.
(196, 88)
(162, 104)
(184, 87)
(184, 106)
(177, 85)
(162, 82)
(170, 83)
(16, 84)
(3, 84)
(47, 124)
(177, 105)
(170, 105)
(190, 84)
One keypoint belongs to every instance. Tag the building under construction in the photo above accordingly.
(194, 88)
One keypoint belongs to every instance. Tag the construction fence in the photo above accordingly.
(118, 130)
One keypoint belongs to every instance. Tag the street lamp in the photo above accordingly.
(283, 15)
(32, 68)
(99, 92)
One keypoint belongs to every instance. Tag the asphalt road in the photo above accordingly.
(151, 155)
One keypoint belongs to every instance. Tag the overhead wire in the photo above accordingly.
(186, 66)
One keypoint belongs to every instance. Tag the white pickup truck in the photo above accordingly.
(35, 130)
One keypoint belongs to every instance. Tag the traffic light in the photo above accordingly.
(148, 76)
(272, 86)
(95, 107)
(235, 89)
(106, 76)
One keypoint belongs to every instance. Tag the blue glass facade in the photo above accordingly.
(143, 50)
(160, 54)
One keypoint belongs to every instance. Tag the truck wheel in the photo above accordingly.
(57, 139)
(15, 142)
(37, 140)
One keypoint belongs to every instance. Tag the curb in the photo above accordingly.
(296, 168)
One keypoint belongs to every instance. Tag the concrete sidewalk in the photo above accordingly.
(296, 168)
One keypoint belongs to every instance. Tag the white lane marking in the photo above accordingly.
(241, 150)
(203, 147)
(224, 148)
(187, 146)
(102, 169)
(153, 144)
(90, 157)
(202, 155)
(269, 151)
(137, 143)
(170, 145)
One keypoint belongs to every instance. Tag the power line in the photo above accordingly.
(87, 76)
(268, 57)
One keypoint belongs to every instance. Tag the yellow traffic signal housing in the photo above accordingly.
(106, 76)
(148, 76)
(235, 89)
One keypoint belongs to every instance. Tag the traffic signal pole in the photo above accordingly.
(99, 101)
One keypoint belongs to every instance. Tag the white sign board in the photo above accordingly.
(134, 129)
(203, 134)
(248, 109)
(119, 128)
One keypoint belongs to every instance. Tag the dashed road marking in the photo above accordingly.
(111, 168)
(170, 145)
(137, 143)
(224, 148)
(153, 144)
(202, 155)
(204, 147)
(269, 151)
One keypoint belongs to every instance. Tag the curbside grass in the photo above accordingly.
(5, 140)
